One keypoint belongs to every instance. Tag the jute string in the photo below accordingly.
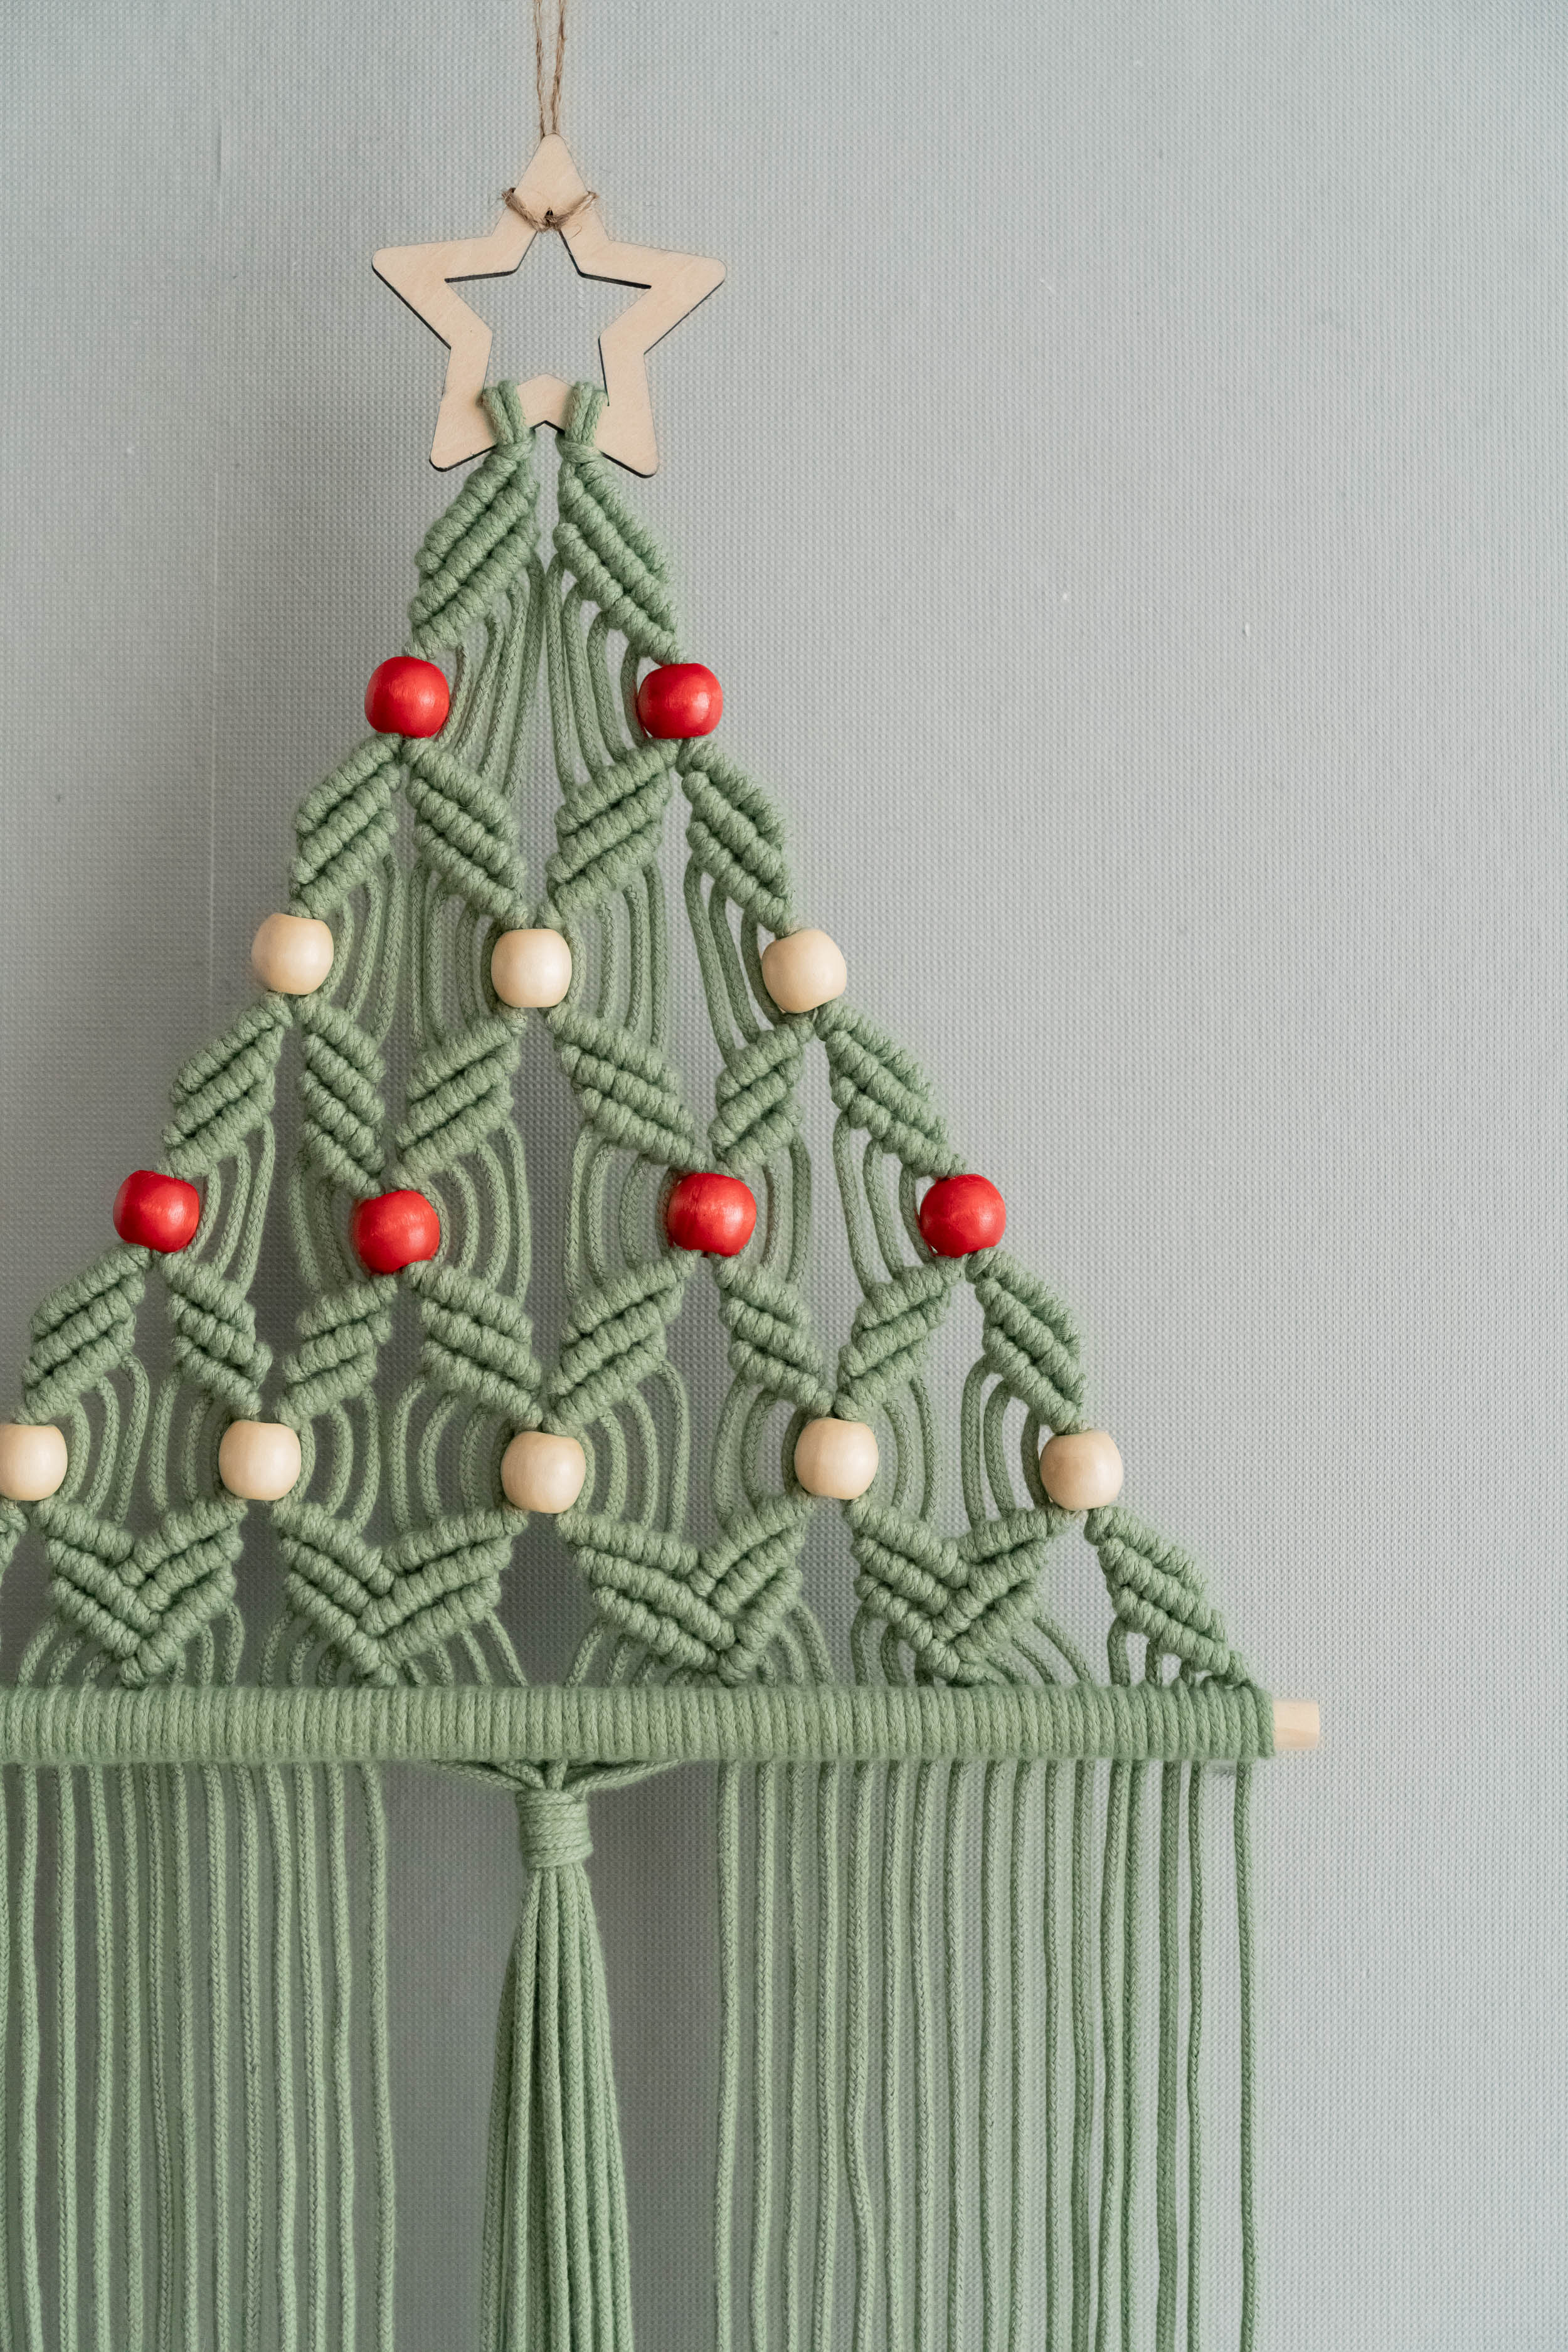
(548, 97)
(549, 91)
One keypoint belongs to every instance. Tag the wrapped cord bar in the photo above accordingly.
(1184, 1722)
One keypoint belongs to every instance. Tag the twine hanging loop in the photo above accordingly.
(550, 218)
(548, 90)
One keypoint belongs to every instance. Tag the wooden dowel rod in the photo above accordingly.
(641, 1724)
(1297, 1727)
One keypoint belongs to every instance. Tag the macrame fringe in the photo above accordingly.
(965, 2095)
(193, 1983)
(968, 2021)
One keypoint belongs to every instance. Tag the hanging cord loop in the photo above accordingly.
(549, 95)
(550, 218)
(548, 90)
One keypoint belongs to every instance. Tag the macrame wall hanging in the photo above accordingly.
(964, 1910)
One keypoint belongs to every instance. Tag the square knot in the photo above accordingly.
(553, 1828)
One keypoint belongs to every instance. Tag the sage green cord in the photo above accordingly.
(907, 2170)
(1249, 2118)
(764, 1947)
(955, 2122)
(729, 1829)
(1194, 2052)
(633, 1724)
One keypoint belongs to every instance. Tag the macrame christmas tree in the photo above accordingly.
(196, 2108)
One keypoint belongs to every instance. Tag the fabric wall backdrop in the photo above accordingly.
(1121, 488)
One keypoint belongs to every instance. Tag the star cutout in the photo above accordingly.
(550, 194)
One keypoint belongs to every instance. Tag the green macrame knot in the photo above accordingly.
(642, 1581)
(888, 1339)
(224, 1093)
(382, 1608)
(771, 1339)
(753, 1580)
(1158, 1591)
(712, 1614)
(82, 1332)
(757, 1113)
(553, 1828)
(344, 829)
(736, 835)
(882, 1090)
(1029, 1341)
(607, 828)
(614, 1337)
(214, 1335)
(474, 552)
(457, 1094)
(141, 1600)
(340, 1337)
(476, 1343)
(465, 828)
(609, 551)
(957, 1603)
(341, 1084)
(626, 1088)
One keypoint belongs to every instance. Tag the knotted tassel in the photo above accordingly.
(556, 2264)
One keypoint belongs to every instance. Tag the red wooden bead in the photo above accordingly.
(681, 699)
(394, 1230)
(161, 1213)
(406, 697)
(707, 1212)
(962, 1213)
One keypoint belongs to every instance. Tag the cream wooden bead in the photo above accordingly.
(292, 953)
(32, 1460)
(541, 1471)
(835, 1458)
(1081, 1471)
(531, 968)
(258, 1460)
(1298, 1727)
(803, 971)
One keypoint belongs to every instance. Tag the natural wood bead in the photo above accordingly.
(1081, 1471)
(292, 953)
(32, 1460)
(835, 1458)
(541, 1471)
(531, 968)
(804, 969)
(258, 1460)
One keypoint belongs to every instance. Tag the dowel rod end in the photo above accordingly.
(1297, 1727)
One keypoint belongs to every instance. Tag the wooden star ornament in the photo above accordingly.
(551, 196)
